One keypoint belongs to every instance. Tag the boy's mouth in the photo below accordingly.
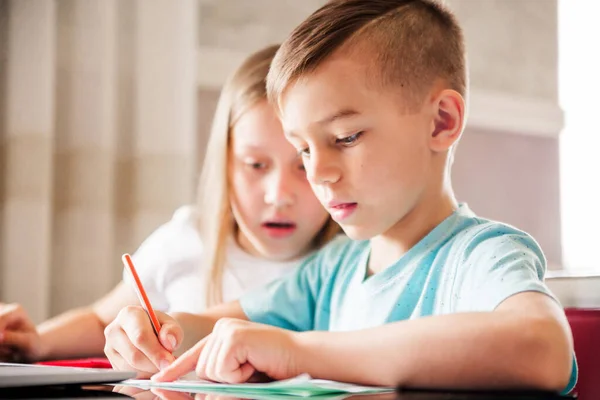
(340, 211)
(279, 229)
(340, 206)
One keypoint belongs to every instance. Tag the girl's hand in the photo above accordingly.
(235, 350)
(132, 345)
(19, 338)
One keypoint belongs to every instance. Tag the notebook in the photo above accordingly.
(301, 386)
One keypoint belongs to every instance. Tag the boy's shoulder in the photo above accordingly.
(477, 263)
(494, 257)
(481, 235)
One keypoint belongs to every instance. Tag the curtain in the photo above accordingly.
(98, 141)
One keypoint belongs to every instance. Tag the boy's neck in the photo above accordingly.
(389, 247)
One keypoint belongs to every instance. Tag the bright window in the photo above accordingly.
(579, 88)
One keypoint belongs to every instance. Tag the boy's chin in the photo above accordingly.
(356, 232)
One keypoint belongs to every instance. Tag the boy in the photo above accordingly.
(372, 94)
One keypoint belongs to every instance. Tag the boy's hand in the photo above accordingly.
(132, 345)
(19, 338)
(235, 350)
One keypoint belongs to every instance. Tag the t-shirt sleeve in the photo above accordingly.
(291, 302)
(498, 263)
(155, 256)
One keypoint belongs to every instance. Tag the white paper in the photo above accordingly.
(302, 386)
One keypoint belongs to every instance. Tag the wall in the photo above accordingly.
(507, 162)
(511, 173)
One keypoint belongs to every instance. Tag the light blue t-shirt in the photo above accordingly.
(465, 264)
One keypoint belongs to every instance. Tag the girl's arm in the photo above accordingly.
(75, 333)
(80, 332)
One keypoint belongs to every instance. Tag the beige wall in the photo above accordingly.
(245, 26)
(513, 45)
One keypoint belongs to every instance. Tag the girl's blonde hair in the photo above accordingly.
(242, 90)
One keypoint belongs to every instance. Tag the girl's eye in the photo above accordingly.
(256, 165)
(349, 140)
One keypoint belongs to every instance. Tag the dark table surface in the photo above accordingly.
(114, 393)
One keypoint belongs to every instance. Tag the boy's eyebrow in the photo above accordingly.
(343, 113)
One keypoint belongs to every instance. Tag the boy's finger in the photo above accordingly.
(231, 368)
(184, 364)
(207, 362)
(246, 372)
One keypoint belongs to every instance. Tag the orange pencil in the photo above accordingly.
(141, 293)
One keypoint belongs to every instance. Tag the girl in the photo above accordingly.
(256, 220)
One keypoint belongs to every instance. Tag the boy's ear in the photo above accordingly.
(449, 114)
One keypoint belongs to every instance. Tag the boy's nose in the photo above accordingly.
(320, 169)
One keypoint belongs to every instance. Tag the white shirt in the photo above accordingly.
(169, 265)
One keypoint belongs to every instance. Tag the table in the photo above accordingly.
(114, 393)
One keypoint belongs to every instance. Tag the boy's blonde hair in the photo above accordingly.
(412, 43)
(244, 89)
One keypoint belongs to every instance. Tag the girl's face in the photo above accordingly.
(274, 207)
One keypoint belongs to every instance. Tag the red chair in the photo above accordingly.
(585, 325)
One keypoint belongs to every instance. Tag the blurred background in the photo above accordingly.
(105, 109)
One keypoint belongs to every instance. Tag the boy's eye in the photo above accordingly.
(304, 152)
(349, 140)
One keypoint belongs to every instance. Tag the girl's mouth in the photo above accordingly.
(279, 229)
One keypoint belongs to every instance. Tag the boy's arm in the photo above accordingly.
(195, 327)
(524, 343)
